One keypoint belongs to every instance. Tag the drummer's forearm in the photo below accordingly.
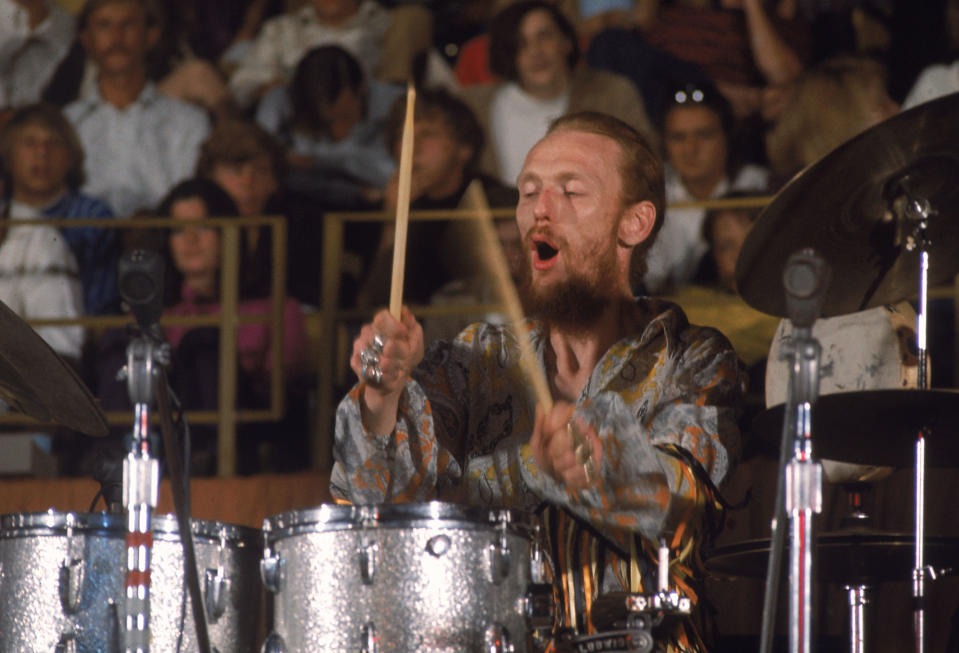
(379, 410)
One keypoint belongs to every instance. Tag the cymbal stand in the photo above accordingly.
(799, 489)
(141, 486)
(920, 211)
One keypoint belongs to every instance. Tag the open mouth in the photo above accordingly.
(545, 251)
(544, 254)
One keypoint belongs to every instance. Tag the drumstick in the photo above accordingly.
(402, 206)
(475, 199)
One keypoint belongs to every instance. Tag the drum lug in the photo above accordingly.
(72, 572)
(273, 644)
(437, 546)
(217, 586)
(501, 556)
(539, 607)
(367, 555)
(272, 571)
(67, 644)
(368, 638)
(496, 639)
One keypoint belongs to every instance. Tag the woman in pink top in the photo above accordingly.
(193, 286)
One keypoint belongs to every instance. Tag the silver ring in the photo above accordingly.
(372, 373)
(378, 343)
(369, 357)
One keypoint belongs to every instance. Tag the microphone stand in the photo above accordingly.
(799, 489)
(141, 486)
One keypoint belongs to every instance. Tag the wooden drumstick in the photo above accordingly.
(475, 199)
(402, 206)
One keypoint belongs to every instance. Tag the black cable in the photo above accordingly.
(179, 485)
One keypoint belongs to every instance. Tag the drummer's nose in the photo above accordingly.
(543, 208)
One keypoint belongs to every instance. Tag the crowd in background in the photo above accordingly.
(190, 109)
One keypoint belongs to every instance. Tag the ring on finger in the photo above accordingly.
(369, 357)
(378, 343)
(372, 373)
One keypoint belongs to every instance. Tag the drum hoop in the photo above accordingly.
(431, 515)
(165, 527)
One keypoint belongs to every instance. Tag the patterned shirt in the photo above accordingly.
(466, 417)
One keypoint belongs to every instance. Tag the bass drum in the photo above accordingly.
(62, 579)
(405, 577)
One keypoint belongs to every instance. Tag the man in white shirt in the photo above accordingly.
(138, 142)
(34, 37)
(385, 42)
(534, 50)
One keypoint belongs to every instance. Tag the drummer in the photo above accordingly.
(654, 398)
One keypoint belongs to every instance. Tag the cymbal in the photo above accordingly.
(875, 427)
(34, 380)
(853, 558)
(840, 207)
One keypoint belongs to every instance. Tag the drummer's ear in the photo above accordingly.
(636, 223)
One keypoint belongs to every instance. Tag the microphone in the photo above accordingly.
(806, 279)
(141, 287)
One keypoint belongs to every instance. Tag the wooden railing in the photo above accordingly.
(227, 416)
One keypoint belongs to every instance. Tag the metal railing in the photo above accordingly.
(227, 416)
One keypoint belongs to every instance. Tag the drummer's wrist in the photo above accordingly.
(378, 410)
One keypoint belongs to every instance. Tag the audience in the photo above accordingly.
(330, 119)
(34, 36)
(831, 103)
(38, 276)
(699, 166)
(45, 160)
(319, 76)
(192, 287)
(138, 142)
(386, 42)
(447, 140)
(534, 51)
(246, 162)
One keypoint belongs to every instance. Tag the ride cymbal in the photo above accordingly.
(849, 207)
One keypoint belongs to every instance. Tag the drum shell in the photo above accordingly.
(435, 584)
(34, 546)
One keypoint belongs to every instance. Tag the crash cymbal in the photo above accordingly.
(875, 427)
(840, 207)
(34, 380)
(852, 558)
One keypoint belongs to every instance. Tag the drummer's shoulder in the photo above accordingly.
(682, 337)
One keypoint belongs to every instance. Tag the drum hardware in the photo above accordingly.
(42, 609)
(805, 279)
(424, 577)
(272, 566)
(497, 639)
(217, 584)
(625, 622)
(71, 572)
(893, 208)
(859, 559)
(501, 557)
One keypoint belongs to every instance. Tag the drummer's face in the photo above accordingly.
(569, 206)
(695, 144)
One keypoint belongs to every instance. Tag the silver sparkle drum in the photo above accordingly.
(62, 579)
(404, 577)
